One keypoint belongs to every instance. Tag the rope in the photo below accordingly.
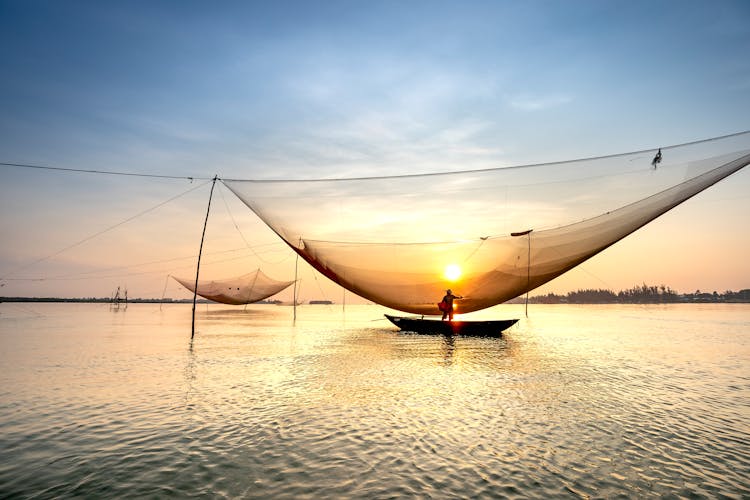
(515, 167)
(81, 276)
(528, 273)
(317, 282)
(99, 233)
(106, 172)
(252, 287)
(164, 293)
(482, 239)
(247, 244)
(402, 176)
(294, 295)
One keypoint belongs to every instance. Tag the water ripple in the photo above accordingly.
(630, 403)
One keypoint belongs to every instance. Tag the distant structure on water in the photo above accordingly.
(118, 299)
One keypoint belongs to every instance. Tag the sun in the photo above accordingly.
(452, 272)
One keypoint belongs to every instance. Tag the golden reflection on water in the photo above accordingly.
(596, 401)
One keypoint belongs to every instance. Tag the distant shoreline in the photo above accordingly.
(95, 300)
(643, 295)
(544, 300)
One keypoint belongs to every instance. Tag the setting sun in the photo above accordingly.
(452, 272)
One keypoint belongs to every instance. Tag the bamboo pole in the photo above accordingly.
(200, 251)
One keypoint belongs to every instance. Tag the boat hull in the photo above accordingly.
(492, 328)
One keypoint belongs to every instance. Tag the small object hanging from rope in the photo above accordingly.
(657, 159)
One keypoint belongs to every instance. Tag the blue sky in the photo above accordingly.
(329, 89)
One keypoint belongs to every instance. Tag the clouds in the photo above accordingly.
(367, 82)
(253, 81)
(538, 102)
(336, 89)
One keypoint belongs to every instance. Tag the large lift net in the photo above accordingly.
(490, 234)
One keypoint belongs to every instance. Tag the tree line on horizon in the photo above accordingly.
(643, 294)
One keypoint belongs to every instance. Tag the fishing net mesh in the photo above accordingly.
(245, 289)
(489, 235)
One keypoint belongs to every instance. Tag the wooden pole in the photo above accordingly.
(528, 275)
(294, 298)
(200, 251)
(526, 233)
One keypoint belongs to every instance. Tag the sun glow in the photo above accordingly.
(452, 272)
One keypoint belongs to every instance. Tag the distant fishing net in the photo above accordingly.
(490, 235)
(246, 289)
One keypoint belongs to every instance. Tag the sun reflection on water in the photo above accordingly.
(599, 401)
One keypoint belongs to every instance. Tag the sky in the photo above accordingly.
(337, 89)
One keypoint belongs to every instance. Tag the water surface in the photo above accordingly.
(575, 401)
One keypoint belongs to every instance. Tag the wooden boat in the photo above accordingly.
(493, 328)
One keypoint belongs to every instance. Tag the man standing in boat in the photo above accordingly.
(447, 305)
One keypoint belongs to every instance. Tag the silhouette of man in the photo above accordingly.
(447, 307)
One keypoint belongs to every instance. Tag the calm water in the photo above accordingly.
(576, 401)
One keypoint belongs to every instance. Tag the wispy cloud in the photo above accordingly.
(529, 102)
